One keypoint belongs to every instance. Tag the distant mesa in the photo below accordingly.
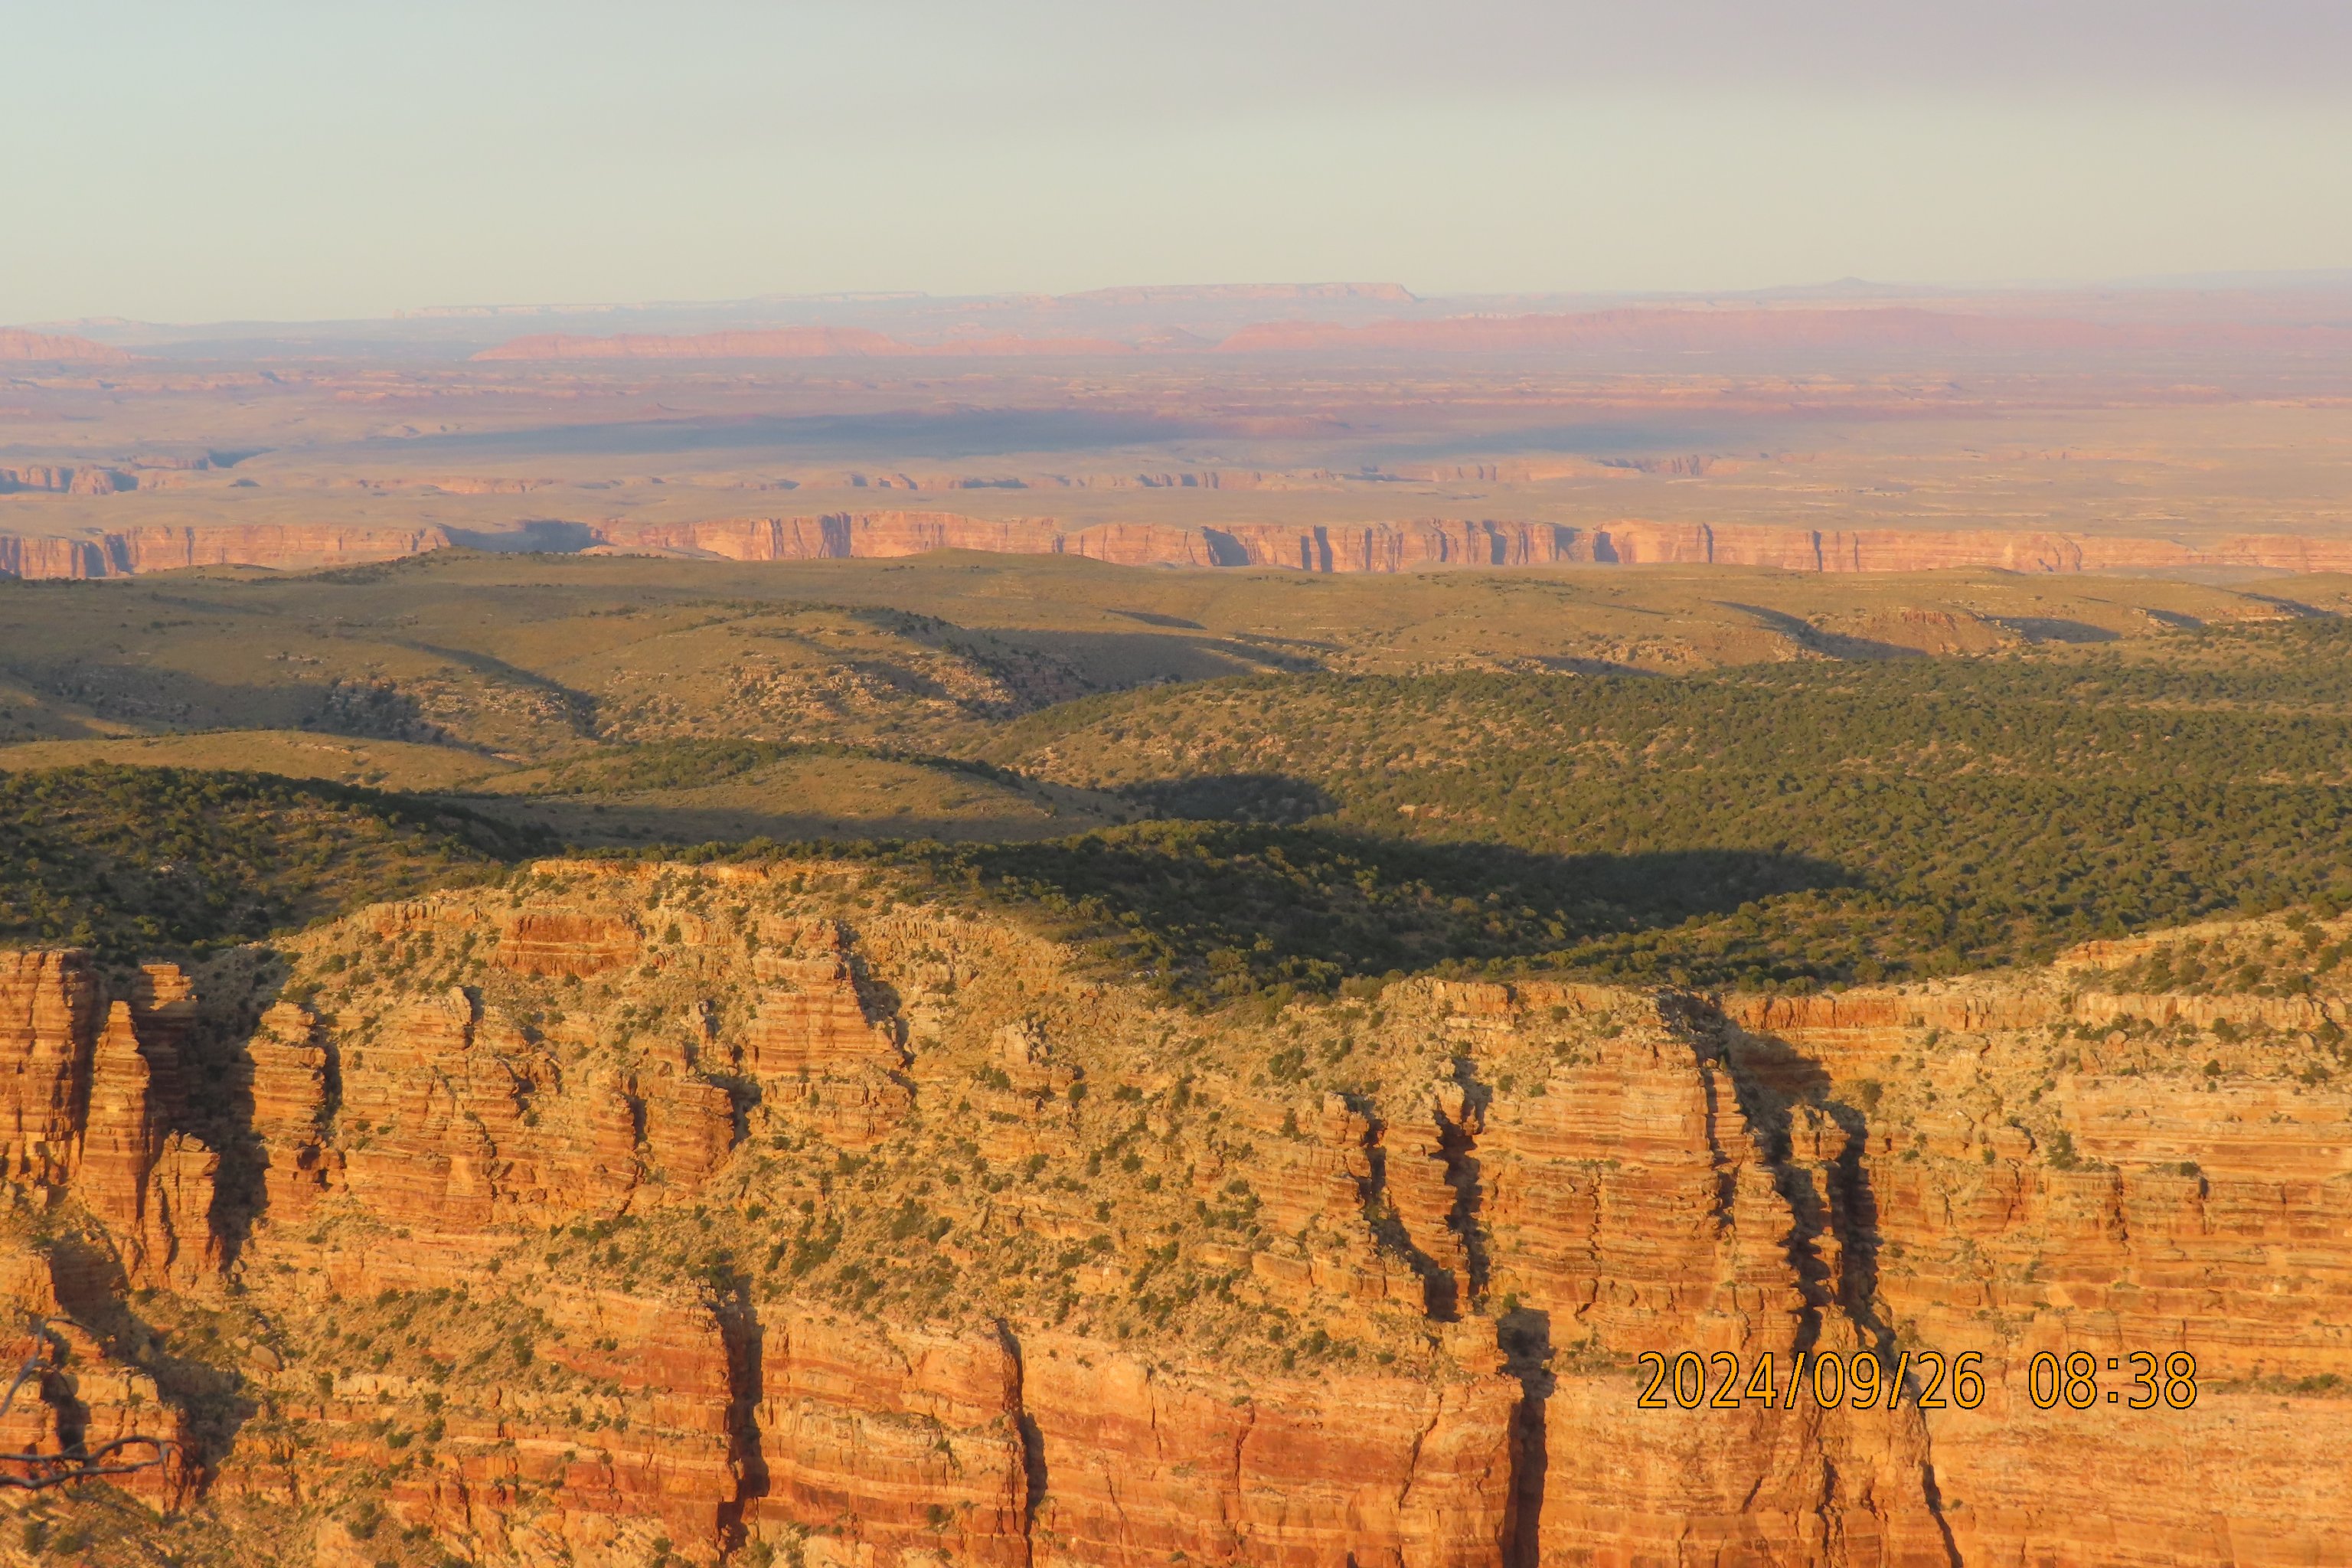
(783, 342)
(1656, 330)
(1699, 330)
(18, 346)
(1245, 293)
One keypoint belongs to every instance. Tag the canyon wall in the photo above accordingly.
(63, 480)
(2065, 1165)
(1378, 547)
(129, 552)
(636, 1210)
(1391, 547)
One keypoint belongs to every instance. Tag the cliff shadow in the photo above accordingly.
(213, 1402)
(585, 821)
(1233, 797)
(1779, 1065)
(1222, 909)
(2052, 628)
(745, 1338)
(1441, 1289)
(533, 536)
(1154, 619)
(1806, 635)
(1524, 1336)
(1036, 1480)
(1772, 1080)
(1120, 661)
(216, 1080)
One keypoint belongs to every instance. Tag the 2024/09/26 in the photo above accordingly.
(1931, 1380)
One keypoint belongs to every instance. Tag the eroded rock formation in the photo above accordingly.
(633, 1210)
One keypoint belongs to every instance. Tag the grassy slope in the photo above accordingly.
(288, 753)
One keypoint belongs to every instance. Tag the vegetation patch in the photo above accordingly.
(160, 862)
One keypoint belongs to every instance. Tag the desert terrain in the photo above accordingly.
(1185, 926)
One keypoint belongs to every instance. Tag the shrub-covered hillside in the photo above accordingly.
(149, 862)
(1915, 819)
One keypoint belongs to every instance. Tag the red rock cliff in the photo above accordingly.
(636, 1209)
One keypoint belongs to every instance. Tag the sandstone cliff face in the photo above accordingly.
(287, 1080)
(634, 1210)
(62, 481)
(49, 1024)
(1374, 547)
(128, 551)
(2053, 1165)
(1390, 547)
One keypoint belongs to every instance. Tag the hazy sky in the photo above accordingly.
(178, 161)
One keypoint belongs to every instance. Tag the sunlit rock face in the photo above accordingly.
(632, 1209)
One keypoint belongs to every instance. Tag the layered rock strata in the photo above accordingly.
(2066, 1166)
(124, 552)
(634, 1212)
(1370, 547)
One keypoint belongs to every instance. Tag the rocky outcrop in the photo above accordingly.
(633, 1211)
(1059, 1449)
(817, 1056)
(440, 1108)
(49, 1021)
(573, 942)
(89, 1395)
(912, 1438)
(1147, 1463)
(290, 1090)
(519, 1481)
(179, 1245)
(123, 1129)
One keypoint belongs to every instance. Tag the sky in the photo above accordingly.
(244, 160)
